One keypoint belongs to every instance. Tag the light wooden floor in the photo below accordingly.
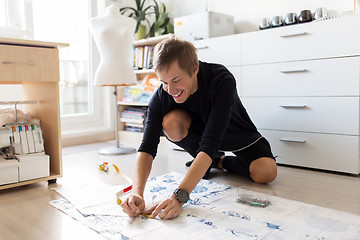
(26, 214)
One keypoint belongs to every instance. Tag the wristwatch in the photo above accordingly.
(181, 195)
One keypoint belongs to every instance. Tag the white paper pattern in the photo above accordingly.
(211, 213)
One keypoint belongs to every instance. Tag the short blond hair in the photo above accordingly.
(169, 50)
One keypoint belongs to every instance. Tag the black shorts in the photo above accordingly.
(240, 164)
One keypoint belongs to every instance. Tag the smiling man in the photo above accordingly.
(198, 108)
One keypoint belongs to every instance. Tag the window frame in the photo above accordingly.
(98, 124)
(25, 30)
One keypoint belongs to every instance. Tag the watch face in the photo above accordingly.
(182, 195)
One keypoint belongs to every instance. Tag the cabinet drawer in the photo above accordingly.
(224, 50)
(328, 77)
(338, 115)
(323, 151)
(303, 41)
(20, 63)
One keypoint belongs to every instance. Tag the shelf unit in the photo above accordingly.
(140, 75)
(35, 66)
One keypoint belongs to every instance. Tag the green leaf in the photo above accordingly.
(163, 8)
(142, 5)
(125, 9)
(170, 28)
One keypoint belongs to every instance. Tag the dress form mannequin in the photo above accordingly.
(114, 34)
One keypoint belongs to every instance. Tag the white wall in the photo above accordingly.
(248, 13)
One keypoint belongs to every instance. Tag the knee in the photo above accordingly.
(263, 170)
(176, 124)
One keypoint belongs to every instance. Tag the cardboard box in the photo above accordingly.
(31, 166)
(9, 171)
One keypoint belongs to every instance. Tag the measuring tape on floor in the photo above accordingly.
(104, 167)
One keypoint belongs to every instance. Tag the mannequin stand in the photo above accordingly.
(117, 149)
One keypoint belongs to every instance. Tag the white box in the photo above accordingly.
(9, 171)
(5, 136)
(203, 25)
(31, 166)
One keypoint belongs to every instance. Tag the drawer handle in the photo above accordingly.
(293, 35)
(203, 47)
(293, 106)
(294, 71)
(292, 140)
(22, 63)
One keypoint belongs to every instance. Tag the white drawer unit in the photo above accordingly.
(322, 151)
(224, 50)
(32, 166)
(328, 77)
(336, 115)
(300, 86)
(323, 39)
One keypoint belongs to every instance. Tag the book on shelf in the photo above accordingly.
(133, 129)
(143, 57)
(133, 118)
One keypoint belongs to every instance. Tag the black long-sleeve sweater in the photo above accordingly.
(228, 127)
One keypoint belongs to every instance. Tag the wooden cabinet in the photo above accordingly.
(35, 65)
(140, 74)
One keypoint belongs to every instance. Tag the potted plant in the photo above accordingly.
(162, 24)
(140, 14)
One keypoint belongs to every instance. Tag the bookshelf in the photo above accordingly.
(141, 73)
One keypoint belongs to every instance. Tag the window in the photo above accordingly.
(83, 108)
(16, 18)
(68, 21)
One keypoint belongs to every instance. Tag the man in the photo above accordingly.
(198, 108)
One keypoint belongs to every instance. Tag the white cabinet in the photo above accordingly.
(335, 115)
(323, 39)
(321, 151)
(300, 86)
(224, 50)
(327, 77)
(301, 89)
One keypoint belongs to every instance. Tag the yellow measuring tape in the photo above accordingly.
(124, 176)
(104, 166)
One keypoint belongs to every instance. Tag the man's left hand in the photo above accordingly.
(170, 207)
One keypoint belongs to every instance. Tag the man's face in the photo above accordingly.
(177, 82)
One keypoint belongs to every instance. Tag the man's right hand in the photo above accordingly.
(133, 205)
